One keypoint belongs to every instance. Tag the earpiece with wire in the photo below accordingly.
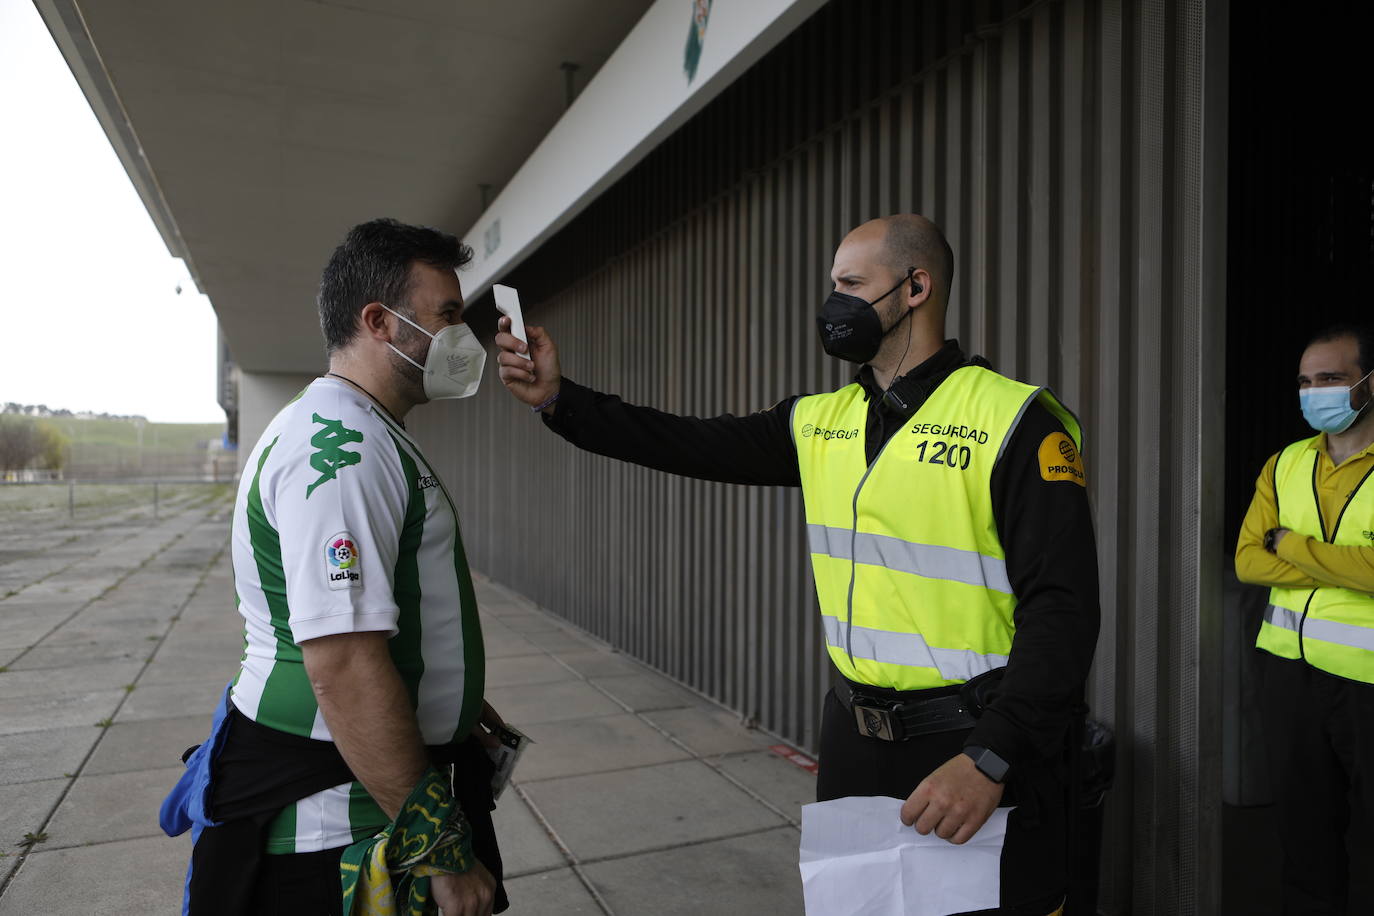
(891, 399)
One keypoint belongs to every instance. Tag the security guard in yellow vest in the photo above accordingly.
(1309, 537)
(950, 539)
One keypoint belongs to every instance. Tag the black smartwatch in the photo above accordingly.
(988, 763)
(1269, 537)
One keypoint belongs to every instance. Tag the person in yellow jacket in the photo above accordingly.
(1309, 537)
(950, 538)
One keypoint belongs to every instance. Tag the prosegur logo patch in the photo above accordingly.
(1060, 460)
(343, 569)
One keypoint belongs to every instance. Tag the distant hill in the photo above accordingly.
(43, 410)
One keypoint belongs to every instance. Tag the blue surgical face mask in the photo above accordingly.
(1328, 410)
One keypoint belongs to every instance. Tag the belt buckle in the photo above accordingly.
(877, 722)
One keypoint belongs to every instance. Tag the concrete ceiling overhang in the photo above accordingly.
(258, 132)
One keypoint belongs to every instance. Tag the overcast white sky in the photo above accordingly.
(89, 315)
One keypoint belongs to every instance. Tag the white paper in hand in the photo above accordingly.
(858, 859)
(508, 304)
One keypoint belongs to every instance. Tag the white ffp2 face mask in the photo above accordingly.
(453, 366)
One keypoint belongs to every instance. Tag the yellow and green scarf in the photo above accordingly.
(388, 874)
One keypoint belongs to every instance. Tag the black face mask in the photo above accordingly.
(850, 327)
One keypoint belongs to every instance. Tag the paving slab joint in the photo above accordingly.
(795, 821)
(573, 862)
(684, 844)
(730, 778)
(124, 698)
(109, 588)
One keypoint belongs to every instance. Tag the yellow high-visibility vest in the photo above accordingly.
(1331, 628)
(910, 573)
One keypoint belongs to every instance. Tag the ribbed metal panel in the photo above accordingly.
(1060, 146)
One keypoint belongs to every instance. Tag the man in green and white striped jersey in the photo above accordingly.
(361, 623)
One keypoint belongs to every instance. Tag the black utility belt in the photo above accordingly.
(898, 718)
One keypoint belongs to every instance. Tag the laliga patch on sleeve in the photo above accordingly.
(1060, 460)
(343, 566)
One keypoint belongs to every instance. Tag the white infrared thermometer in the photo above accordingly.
(508, 304)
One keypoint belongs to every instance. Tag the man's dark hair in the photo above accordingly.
(1362, 334)
(373, 265)
(914, 241)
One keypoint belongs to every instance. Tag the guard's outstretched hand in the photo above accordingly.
(954, 801)
(534, 382)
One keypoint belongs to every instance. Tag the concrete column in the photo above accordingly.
(261, 396)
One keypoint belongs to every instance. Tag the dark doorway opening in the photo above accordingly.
(1300, 255)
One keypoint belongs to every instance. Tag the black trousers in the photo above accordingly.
(306, 883)
(1034, 871)
(1320, 736)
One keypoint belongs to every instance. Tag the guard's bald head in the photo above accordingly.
(911, 240)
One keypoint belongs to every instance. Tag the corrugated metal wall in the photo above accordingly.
(1301, 210)
(1061, 147)
(1302, 204)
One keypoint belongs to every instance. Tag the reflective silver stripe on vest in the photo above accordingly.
(1342, 634)
(928, 560)
(1332, 631)
(1282, 617)
(909, 649)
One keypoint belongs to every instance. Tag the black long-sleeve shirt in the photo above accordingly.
(1045, 526)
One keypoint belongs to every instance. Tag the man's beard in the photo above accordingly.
(896, 327)
(410, 379)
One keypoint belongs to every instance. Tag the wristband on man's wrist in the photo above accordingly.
(989, 763)
(1271, 540)
(547, 404)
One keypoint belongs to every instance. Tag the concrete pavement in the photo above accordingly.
(117, 635)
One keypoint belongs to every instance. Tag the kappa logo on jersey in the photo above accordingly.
(344, 569)
(331, 456)
(1060, 460)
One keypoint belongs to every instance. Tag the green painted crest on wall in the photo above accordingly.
(696, 37)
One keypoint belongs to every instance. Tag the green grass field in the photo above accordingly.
(125, 434)
(103, 448)
(22, 500)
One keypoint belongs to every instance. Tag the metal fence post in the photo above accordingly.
(154, 499)
(71, 499)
